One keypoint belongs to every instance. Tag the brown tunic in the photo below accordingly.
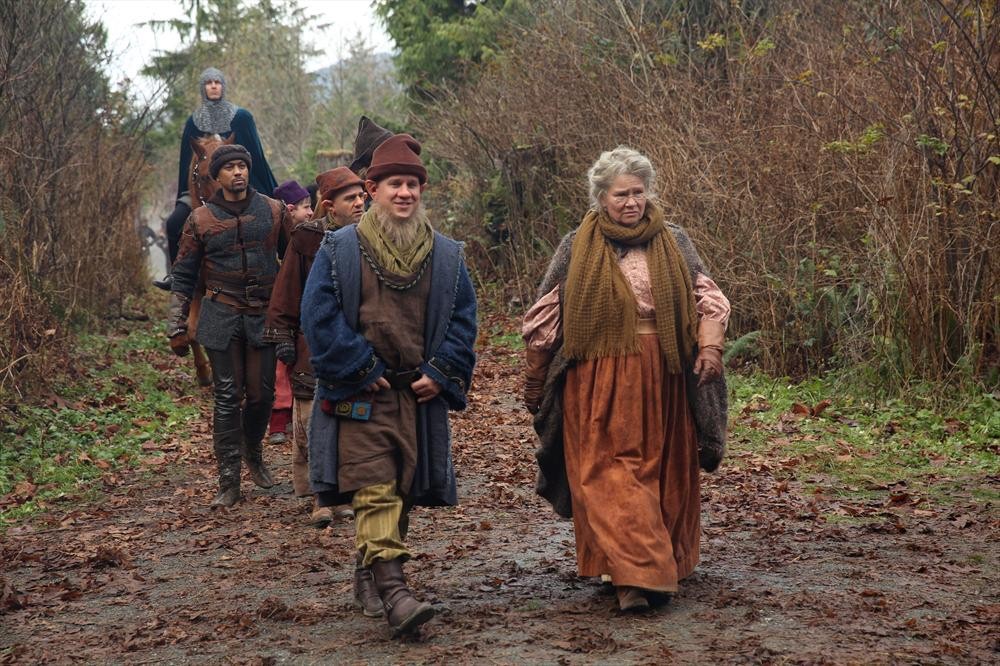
(384, 448)
(283, 313)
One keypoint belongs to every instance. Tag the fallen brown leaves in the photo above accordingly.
(792, 570)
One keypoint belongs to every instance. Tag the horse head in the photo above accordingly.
(201, 185)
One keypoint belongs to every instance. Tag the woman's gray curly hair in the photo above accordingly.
(619, 162)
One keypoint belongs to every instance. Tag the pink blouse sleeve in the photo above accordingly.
(710, 302)
(542, 327)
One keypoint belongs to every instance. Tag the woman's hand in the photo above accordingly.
(708, 366)
(536, 367)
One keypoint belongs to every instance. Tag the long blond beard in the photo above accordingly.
(401, 232)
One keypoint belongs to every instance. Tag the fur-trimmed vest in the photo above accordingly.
(709, 403)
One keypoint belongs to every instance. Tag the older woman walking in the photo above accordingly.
(624, 376)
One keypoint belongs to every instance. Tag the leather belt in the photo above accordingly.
(246, 290)
(240, 305)
(400, 380)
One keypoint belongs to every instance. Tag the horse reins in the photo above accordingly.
(197, 178)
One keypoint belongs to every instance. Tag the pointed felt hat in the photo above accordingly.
(370, 136)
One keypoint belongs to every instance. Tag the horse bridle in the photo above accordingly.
(197, 178)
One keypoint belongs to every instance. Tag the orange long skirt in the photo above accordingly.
(632, 462)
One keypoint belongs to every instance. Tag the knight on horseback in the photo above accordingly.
(215, 116)
(229, 255)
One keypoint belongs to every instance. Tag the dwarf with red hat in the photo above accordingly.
(389, 314)
(340, 203)
(341, 197)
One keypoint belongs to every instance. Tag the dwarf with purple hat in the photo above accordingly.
(389, 313)
(298, 203)
(298, 209)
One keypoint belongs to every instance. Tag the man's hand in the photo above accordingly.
(378, 385)
(285, 351)
(708, 366)
(180, 344)
(425, 388)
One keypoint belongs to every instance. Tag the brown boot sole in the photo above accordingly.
(632, 601)
(410, 624)
(636, 607)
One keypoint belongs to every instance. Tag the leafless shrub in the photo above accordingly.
(836, 164)
(72, 165)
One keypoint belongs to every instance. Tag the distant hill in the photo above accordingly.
(377, 68)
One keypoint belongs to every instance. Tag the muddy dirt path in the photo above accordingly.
(150, 575)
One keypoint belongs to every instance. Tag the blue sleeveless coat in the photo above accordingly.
(345, 363)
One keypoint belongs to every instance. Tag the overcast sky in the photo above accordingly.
(134, 44)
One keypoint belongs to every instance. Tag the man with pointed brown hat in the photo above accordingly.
(389, 313)
(370, 136)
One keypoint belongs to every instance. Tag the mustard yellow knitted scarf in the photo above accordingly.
(600, 314)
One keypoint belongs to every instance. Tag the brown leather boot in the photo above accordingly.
(253, 456)
(227, 497)
(402, 610)
(321, 516)
(631, 599)
(259, 473)
(365, 593)
(227, 457)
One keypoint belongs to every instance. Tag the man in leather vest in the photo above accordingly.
(231, 244)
